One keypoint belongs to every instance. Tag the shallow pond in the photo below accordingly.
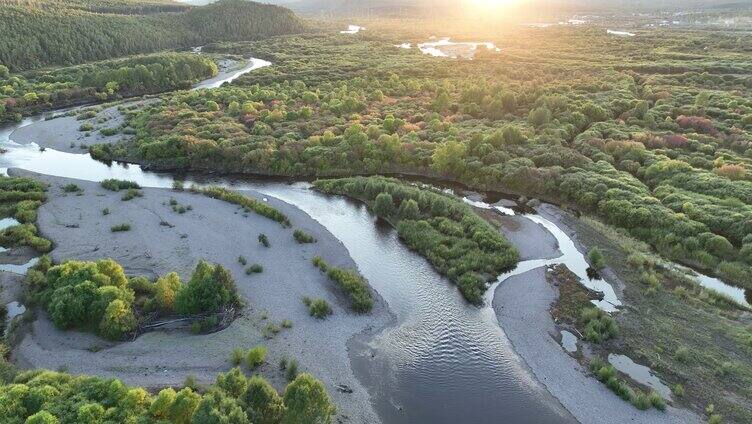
(14, 309)
(568, 341)
(352, 29)
(444, 47)
(620, 33)
(639, 373)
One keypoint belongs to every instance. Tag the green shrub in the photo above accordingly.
(254, 269)
(263, 240)
(248, 203)
(657, 401)
(105, 211)
(120, 228)
(72, 188)
(303, 237)
(306, 401)
(24, 235)
(210, 288)
(117, 185)
(317, 308)
(351, 282)
(677, 390)
(118, 320)
(131, 194)
(681, 354)
(286, 323)
(292, 370)
(598, 325)
(242, 260)
(641, 401)
(86, 127)
(236, 356)
(596, 259)
(383, 205)
(255, 356)
(263, 402)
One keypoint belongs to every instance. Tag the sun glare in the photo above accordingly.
(491, 4)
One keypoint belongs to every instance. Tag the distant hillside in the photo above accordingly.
(450, 6)
(37, 33)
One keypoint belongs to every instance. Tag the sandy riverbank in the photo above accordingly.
(219, 232)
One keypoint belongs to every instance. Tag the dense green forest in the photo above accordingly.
(36, 91)
(640, 143)
(51, 32)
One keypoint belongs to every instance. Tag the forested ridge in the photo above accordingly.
(37, 91)
(38, 33)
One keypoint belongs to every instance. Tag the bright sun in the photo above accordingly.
(491, 4)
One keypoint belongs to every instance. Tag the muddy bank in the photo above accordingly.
(162, 240)
(521, 304)
(531, 239)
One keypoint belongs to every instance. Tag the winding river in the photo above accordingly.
(441, 360)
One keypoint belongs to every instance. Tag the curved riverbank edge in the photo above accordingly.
(522, 304)
(219, 232)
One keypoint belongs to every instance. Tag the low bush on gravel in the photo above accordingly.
(317, 308)
(117, 185)
(255, 356)
(598, 325)
(302, 237)
(120, 228)
(248, 203)
(72, 188)
(131, 194)
(264, 240)
(351, 282)
(254, 269)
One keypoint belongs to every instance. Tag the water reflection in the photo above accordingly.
(451, 49)
(352, 29)
(639, 373)
(568, 341)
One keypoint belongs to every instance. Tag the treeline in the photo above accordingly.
(459, 243)
(48, 397)
(33, 92)
(99, 297)
(41, 33)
